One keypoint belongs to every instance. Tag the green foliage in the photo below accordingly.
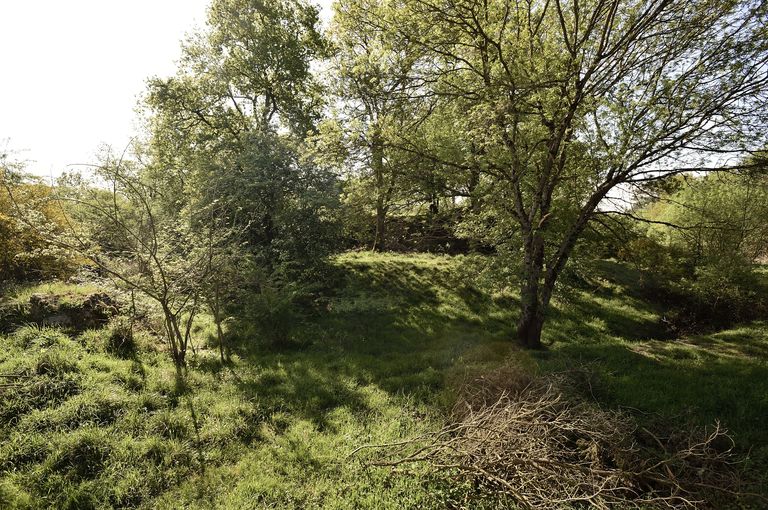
(510, 124)
(720, 216)
(258, 55)
(274, 312)
(54, 363)
(701, 252)
(397, 338)
(287, 206)
(541, 110)
(25, 253)
(241, 166)
(372, 85)
(274, 420)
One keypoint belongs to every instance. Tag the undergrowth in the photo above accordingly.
(101, 419)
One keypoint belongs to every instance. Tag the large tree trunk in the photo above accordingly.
(530, 324)
(533, 306)
(538, 283)
(533, 310)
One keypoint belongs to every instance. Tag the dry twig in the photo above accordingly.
(534, 445)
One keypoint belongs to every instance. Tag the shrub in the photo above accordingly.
(659, 264)
(275, 313)
(701, 292)
(24, 252)
(719, 294)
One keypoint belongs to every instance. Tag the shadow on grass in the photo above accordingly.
(678, 378)
(297, 387)
(405, 358)
(394, 326)
(401, 328)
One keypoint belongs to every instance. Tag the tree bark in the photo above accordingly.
(176, 340)
(533, 302)
(530, 324)
(538, 283)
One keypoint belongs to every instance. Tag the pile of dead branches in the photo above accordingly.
(524, 440)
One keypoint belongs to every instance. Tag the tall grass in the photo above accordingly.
(94, 423)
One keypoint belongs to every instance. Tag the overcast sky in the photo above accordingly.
(71, 72)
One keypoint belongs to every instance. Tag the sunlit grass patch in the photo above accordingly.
(68, 292)
(384, 361)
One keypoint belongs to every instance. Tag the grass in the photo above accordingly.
(91, 426)
(68, 293)
(721, 376)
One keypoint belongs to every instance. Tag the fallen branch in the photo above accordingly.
(531, 443)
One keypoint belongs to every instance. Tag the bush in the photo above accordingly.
(700, 292)
(659, 264)
(719, 294)
(275, 313)
(24, 253)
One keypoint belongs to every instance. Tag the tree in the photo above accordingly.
(721, 216)
(115, 221)
(371, 74)
(569, 103)
(227, 131)
(24, 252)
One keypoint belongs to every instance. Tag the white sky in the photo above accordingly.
(71, 72)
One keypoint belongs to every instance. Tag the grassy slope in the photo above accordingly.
(274, 430)
(708, 377)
